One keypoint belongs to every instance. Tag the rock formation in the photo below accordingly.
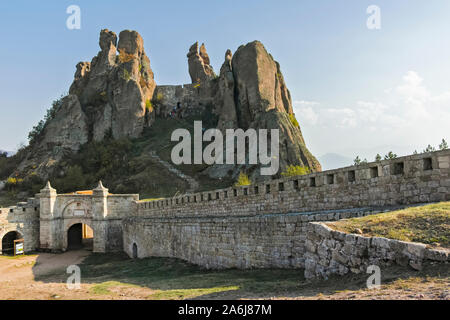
(225, 103)
(110, 94)
(115, 90)
(198, 61)
(252, 94)
(115, 94)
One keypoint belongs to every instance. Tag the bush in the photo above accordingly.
(51, 114)
(12, 184)
(149, 106)
(243, 180)
(294, 120)
(358, 161)
(443, 145)
(429, 149)
(390, 156)
(292, 171)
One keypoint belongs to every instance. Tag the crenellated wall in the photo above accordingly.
(405, 180)
(258, 226)
(264, 225)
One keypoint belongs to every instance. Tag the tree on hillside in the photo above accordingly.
(390, 156)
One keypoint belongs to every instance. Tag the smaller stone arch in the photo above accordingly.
(7, 241)
(134, 251)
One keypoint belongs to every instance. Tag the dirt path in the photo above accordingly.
(115, 277)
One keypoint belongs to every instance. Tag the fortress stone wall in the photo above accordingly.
(331, 252)
(24, 219)
(193, 98)
(265, 225)
(257, 226)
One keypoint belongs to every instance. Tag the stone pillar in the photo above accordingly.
(99, 215)
(47, 198)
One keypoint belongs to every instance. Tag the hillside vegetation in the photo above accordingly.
(124, 165)
(429, 224)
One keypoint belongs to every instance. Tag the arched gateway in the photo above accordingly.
(89, 219)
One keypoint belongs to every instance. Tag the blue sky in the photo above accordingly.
(356, 91)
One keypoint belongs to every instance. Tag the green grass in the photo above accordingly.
(429, 224)
(189, 293)
(150, 199)
(104, 287)
(175, 279)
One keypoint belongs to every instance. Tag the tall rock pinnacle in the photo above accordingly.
(198, 60)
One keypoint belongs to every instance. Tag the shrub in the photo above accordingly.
(13, 183)
(443, 145)
(294, 120)
(126, 75)
(390, 156)
(51, 113)
(243, 180)
(429, 149)
(292, 171)
(378, 157)
(148, 105)
(358, 161)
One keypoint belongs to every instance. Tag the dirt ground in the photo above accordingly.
(43, 276)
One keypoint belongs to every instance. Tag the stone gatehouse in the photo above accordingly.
(258, 226)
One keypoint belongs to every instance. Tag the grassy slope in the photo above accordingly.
(124, 166)
(428, 224)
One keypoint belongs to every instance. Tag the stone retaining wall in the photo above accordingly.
(331, 252)
(264, 241)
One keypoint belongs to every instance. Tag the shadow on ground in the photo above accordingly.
(169, 278)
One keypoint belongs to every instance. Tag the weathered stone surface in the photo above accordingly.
(65, 133)
(114, 89)
(199, 68)
(357, 255)
(263, 101)
(225, 103)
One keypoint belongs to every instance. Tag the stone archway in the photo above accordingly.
(78, 234)
(135, 251)
(8, 242)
